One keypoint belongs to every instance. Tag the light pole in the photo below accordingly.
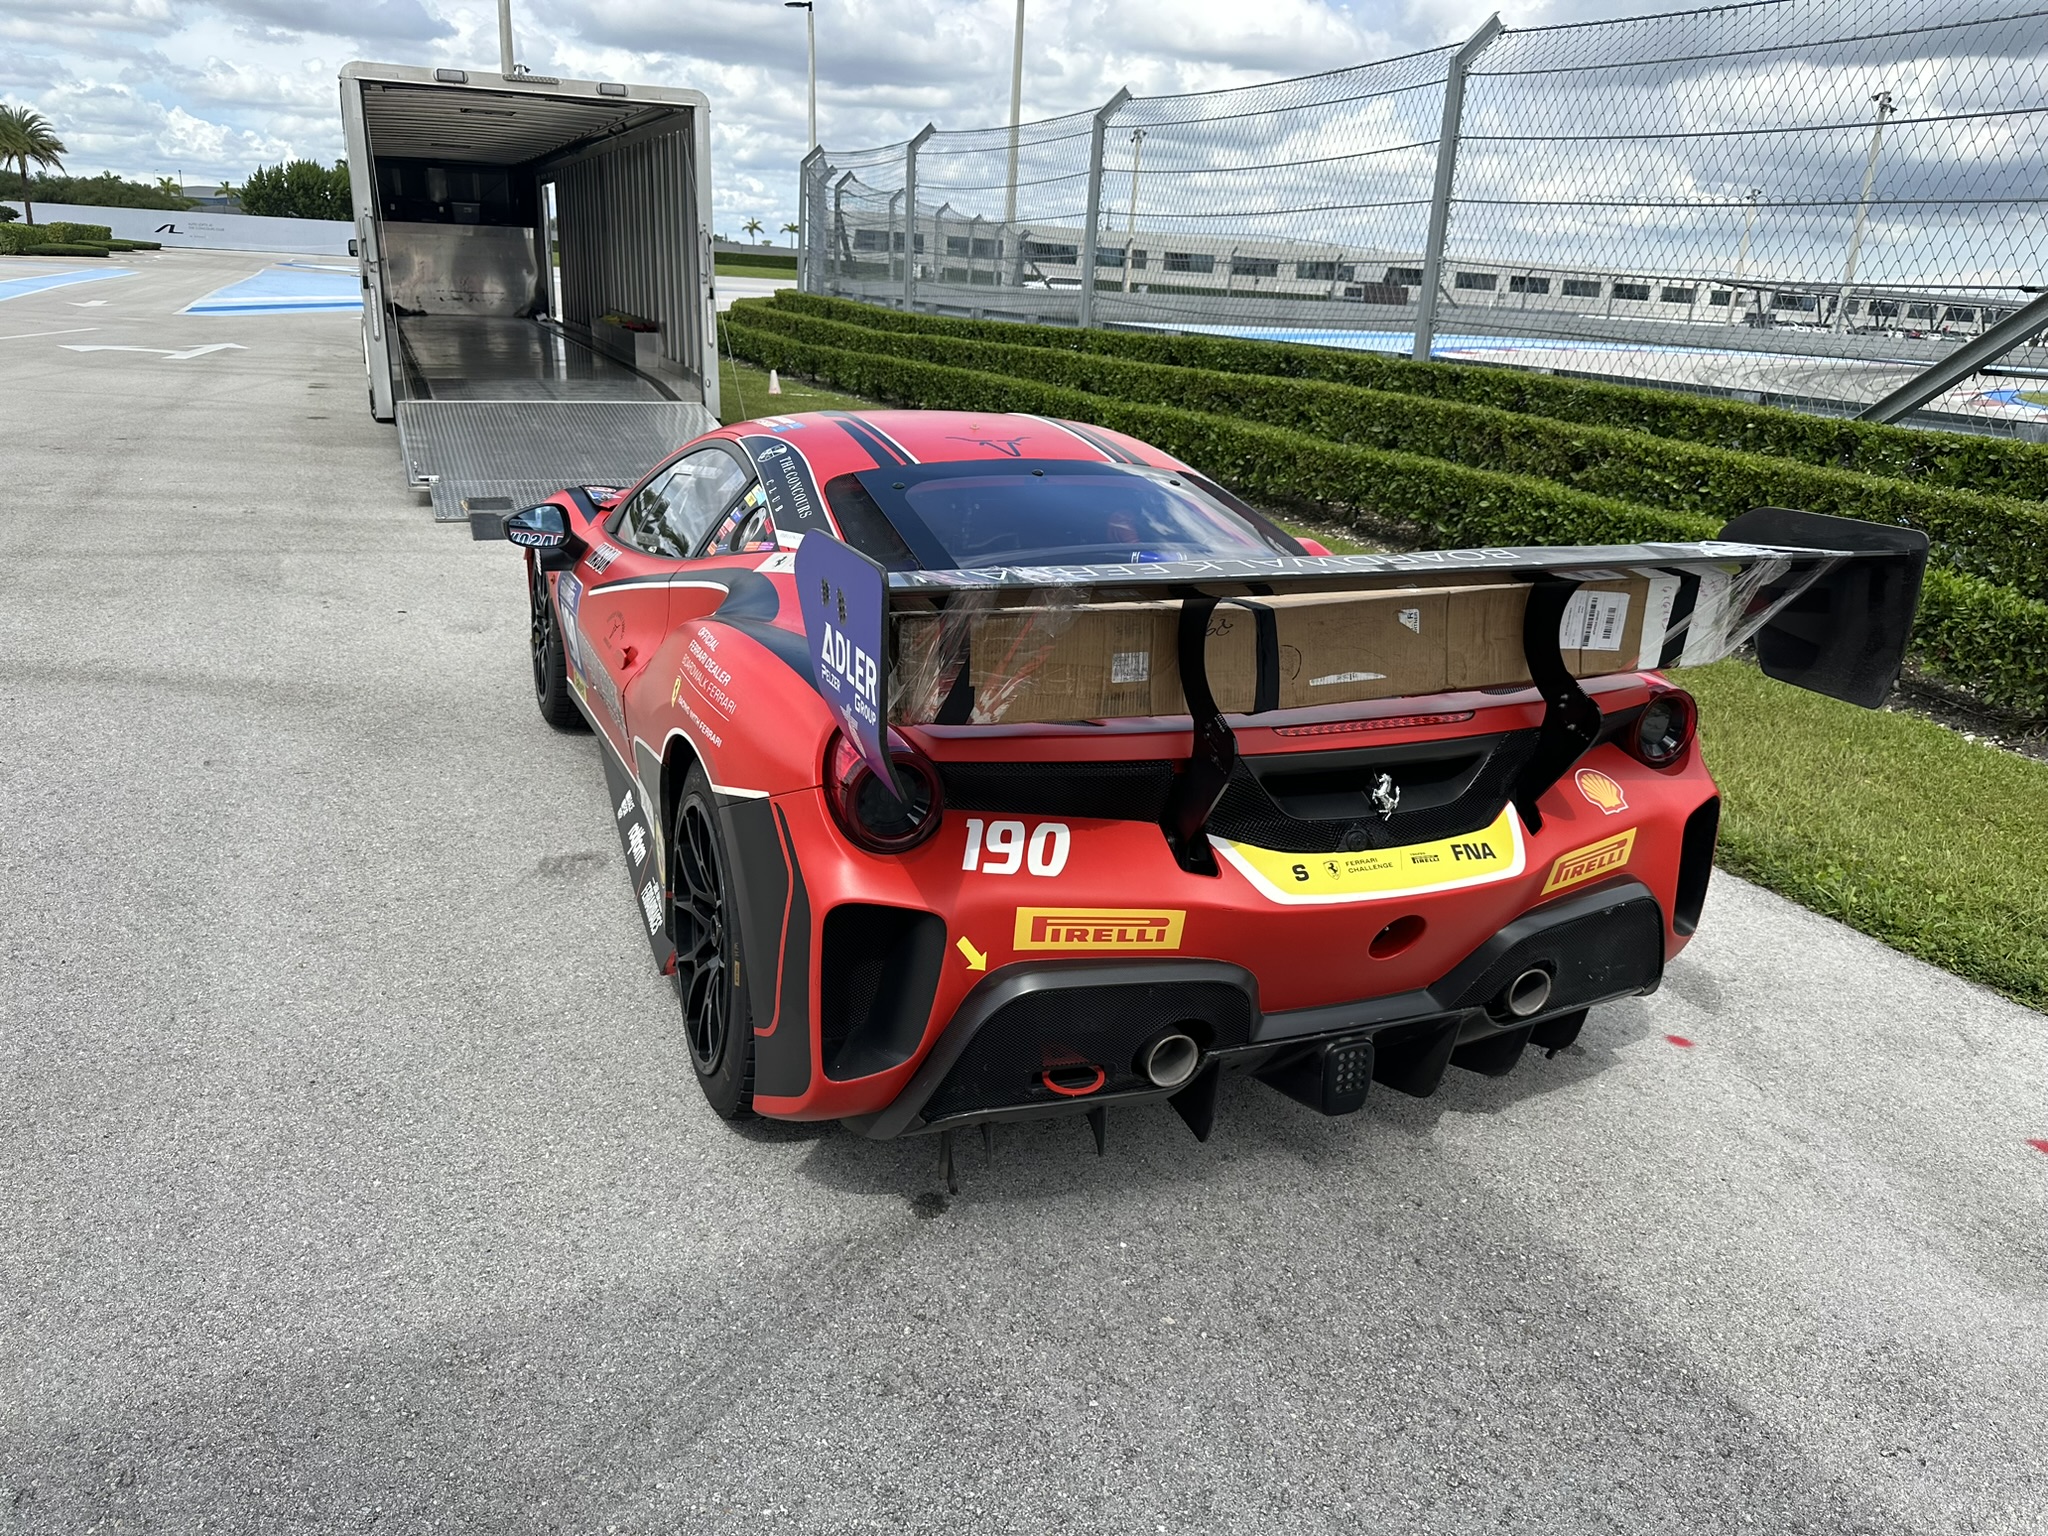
(1884, 110)
(1742, 256)
(810, 10)
(505, 65)
(1131, 219)
(1016, 115)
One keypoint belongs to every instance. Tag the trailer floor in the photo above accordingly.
(479, 357)
(515, 410)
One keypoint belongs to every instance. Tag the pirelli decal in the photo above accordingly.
(1097, 928)
(1590, 862)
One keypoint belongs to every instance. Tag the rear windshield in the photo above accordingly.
(1050, 512)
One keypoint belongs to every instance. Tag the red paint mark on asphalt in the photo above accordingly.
(1679, 1040)
(2038, 1143)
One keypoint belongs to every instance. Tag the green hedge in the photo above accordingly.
(62, 233)
(1964, 461)
(1974, 632)
(65, 250)
(134, 245)
(1999, 538)
(16, 238)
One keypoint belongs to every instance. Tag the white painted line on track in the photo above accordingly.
(165, 352)
(75, 330)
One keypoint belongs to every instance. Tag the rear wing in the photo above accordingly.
(1828, 603)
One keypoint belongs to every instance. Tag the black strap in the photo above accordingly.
(1203, 777)
(1266, 634)
(1571, 720)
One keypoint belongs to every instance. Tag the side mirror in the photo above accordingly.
(544, 530)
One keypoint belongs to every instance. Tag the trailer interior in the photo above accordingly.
(536, 271)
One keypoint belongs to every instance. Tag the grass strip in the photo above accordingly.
(743, 394)
(1897, 826)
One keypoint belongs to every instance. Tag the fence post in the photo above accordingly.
(810, 174)
(1446, 172)
(910, 214)
(842, 248)
(1084, 316)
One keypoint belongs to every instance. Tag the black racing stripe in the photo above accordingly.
(876, 446)
(1102, 445)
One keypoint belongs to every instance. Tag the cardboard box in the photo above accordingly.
(1603, 629)
(1334, 647)
(1104, 660)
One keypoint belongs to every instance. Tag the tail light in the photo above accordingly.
(871, 816)
(1664, 729)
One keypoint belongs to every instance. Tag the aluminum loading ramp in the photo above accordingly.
(508, 411)
(500, 455)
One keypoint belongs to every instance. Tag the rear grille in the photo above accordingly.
(1294, 802)
(1447, 788)
(1125, 791)
(1097, 1026)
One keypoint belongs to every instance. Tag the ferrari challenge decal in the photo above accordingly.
(1310, 879)
(1097, 928)
(1590, 862)
(1601, 791)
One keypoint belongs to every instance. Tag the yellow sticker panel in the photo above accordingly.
(1472, 858)
(1097, 928)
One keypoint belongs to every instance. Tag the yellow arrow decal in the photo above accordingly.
(977, 960)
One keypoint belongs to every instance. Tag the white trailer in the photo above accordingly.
(537, 276)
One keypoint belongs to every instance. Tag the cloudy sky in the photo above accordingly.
(209, 89)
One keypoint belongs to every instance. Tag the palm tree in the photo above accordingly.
(25, 136)
(752, 226)
(792, 230)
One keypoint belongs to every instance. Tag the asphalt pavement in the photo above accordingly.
(354, 1177)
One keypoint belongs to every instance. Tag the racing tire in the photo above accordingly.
(550, 671)
(704, 920)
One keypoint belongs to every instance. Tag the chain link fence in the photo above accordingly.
(1806, 202)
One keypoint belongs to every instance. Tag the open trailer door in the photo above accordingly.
(536, 266)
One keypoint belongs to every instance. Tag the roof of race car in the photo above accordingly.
(836, 442)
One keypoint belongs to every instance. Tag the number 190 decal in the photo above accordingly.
(1001, 848)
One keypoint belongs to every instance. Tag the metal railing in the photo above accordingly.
(1808, 202)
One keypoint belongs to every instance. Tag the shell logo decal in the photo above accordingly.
(1601, 791)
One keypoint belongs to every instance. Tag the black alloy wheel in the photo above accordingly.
(550, 672)
(705, 926)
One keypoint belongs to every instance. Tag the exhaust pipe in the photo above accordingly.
(1526, 994)
(1169, 1061)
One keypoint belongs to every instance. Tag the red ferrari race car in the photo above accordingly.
(974, 768)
